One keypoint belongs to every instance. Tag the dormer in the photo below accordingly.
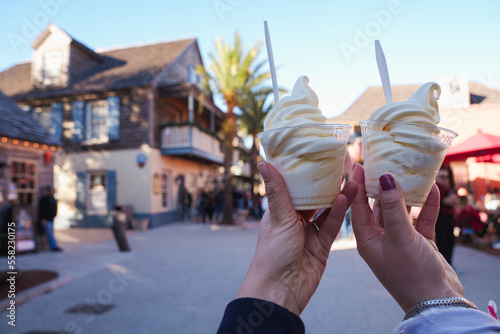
(58, 59)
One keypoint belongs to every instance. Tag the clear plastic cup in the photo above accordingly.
(412, 153)
(311, 160)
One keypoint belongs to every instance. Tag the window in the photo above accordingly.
(193, 77)
(97, 195)
(43, 115)
(51, 67)
(23, 177)
(97, 121)
(95, 192)
(164, 189)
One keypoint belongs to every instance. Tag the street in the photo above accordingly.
(179, 278)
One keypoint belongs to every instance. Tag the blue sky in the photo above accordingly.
(329, 41)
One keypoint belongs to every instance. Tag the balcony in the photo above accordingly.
(190, 141)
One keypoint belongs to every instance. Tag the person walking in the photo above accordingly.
(202, 204)
(47, 211)
(209, 209)
(445, 225)
(184, 200)
(219, 205)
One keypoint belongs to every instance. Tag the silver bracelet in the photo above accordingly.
(451, 301)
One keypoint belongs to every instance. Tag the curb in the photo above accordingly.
(34, 292)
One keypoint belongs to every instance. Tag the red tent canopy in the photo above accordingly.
(493, 158)
(478, 145)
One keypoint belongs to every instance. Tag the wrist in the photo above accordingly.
(438, 302)
(410, 302)
(258, 285)
(446, 286)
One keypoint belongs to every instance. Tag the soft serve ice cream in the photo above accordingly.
(402, 139)
(308, 152)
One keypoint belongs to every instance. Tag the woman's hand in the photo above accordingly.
(404, 258)
(291, 255)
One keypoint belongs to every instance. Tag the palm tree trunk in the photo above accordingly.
(229, 129)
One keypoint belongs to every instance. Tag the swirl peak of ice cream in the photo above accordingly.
(421, 107)
(402, 139)
(299, 108)
(308, 152)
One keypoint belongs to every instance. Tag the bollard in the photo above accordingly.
(118, 227)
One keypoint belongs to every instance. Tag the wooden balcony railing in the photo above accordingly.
(190, 140)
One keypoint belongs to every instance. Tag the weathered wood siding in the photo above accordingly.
(134, 119)
(80, 62)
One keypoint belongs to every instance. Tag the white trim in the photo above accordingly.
(88, 121)
(52, 80)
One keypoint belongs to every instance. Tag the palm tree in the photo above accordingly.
(232, 73)
(253, 111)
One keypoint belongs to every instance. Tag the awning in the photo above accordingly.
(481, 144)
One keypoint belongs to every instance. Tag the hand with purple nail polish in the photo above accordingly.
(291, 254)
(403, 257)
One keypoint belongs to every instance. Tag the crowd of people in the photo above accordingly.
(459, 209)
(207, 204)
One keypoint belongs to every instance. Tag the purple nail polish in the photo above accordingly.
(387, 182)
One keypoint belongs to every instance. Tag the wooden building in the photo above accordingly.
(27, 152)
(129, 120)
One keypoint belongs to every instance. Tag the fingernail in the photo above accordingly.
(264, 170)
(387, 182)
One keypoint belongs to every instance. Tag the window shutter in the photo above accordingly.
(111, 188)
(114, 117)
(191, 74)
(78, 121)
(56, 117)
(81, 191)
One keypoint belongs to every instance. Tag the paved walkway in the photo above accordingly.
(179, 278)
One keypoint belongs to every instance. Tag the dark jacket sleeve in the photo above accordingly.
(47, 208)
(42, 208)
(256, 316)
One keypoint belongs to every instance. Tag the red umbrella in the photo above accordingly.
(478, 145)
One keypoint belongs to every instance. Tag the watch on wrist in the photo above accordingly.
(451, 301)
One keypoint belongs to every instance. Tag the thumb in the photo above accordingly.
(397, 224)
(280, 204)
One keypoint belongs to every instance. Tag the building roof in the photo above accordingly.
(373, 98)
(18, 124)
(119, 68)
